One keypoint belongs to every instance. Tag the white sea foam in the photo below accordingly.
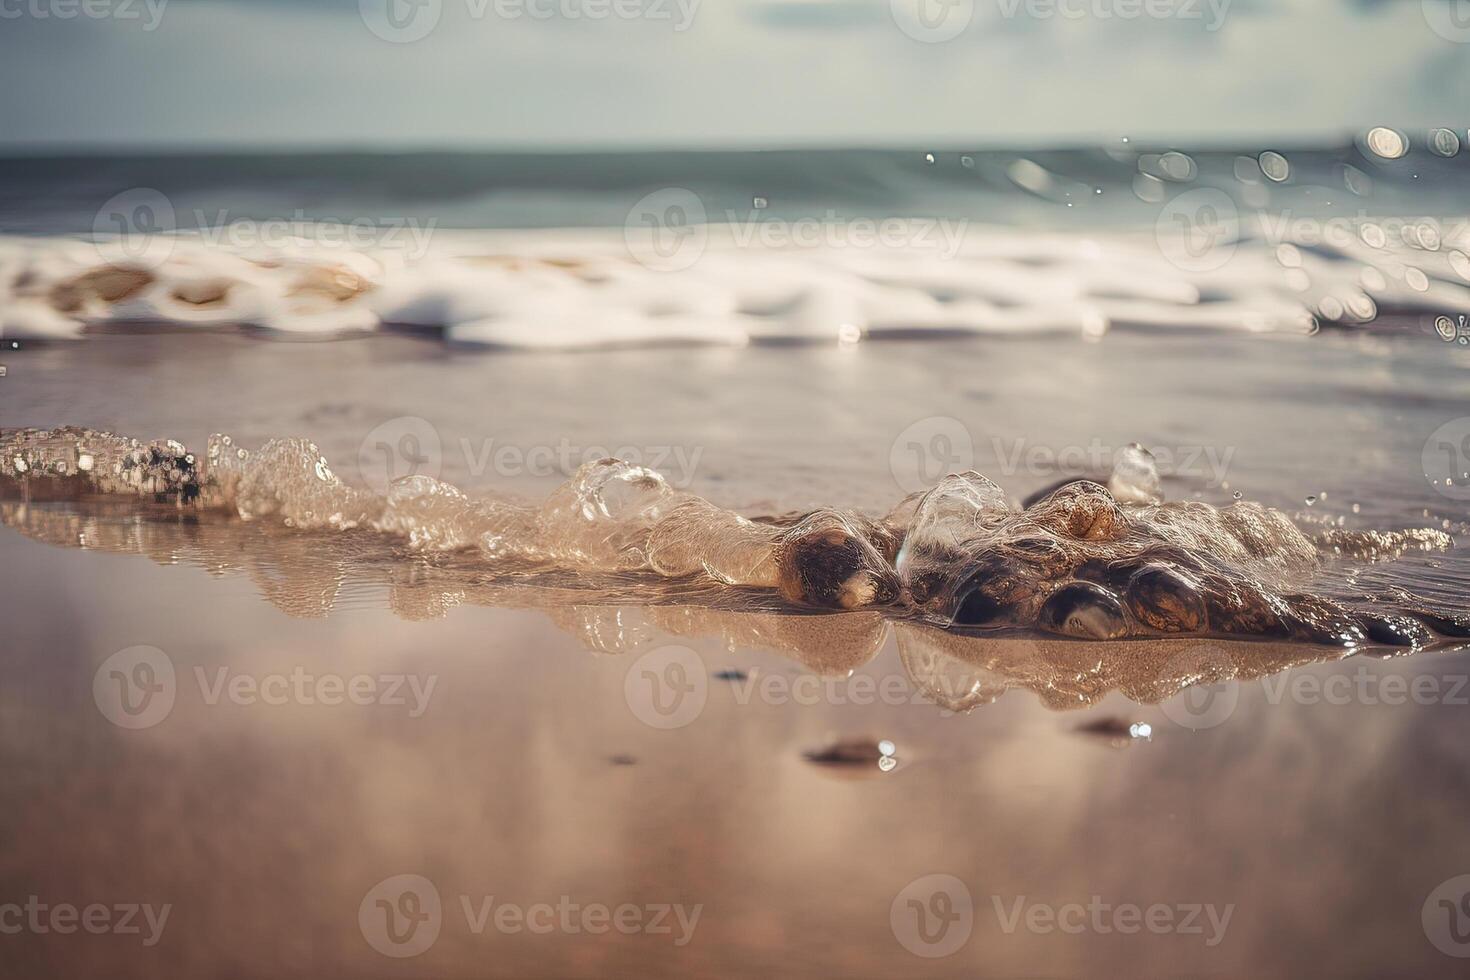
(586, 289)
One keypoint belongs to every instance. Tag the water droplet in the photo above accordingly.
(928, 158)
(1444, 142)
(886, 747)
(1357, 508)
(1176, 166)
(1274, 165)
(1141, 729)
(968, 162)
(1237, 495)
(1311, 499)
(887, 762)
(1387, 143)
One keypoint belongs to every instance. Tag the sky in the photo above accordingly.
(491, 74)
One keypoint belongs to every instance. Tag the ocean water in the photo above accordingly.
(572, 718)
(583, 251)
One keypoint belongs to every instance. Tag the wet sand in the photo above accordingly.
(533, 774)
(1319, 800)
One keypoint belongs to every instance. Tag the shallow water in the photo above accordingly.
(548, 761)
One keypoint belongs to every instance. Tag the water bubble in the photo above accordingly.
(1237, 495)
(887, 762)
(1444, 142)
(1274, 165)
(1247, 170)
(1311, 499)
(1387, 143)
(1356, 181)
(1460, 262)
(1148, 188)
(968, 162)
(1176, 166)
(928, 158)
(1141, 729)
(1357, 508)
(886, 747)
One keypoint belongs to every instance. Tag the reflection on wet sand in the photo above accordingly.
(308, 574)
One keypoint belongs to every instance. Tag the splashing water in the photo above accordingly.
(1082, 561)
